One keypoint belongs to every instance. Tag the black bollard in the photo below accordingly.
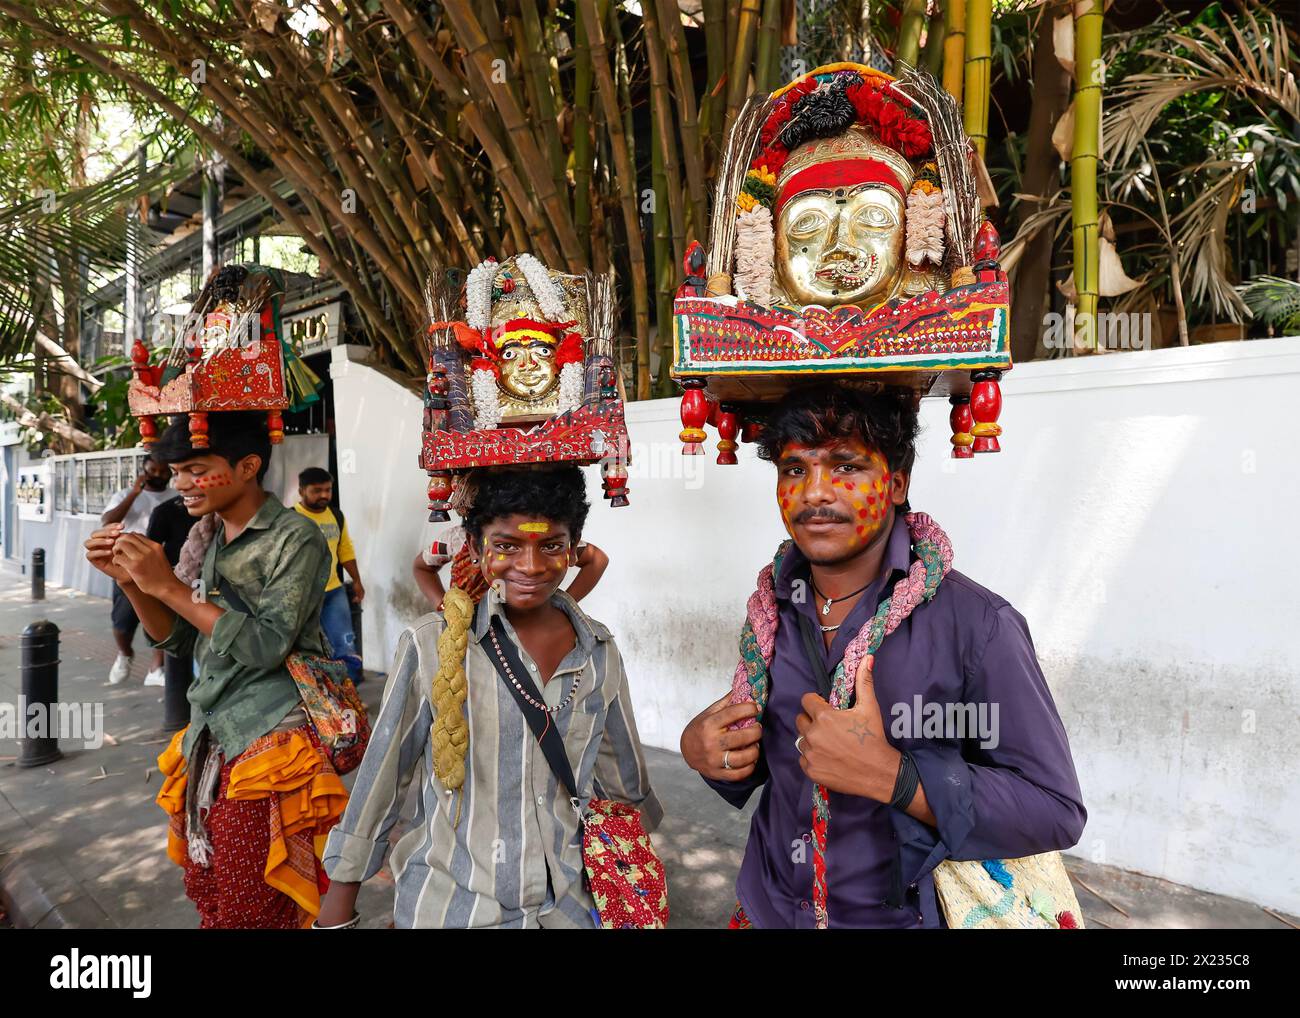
(356, 620)
(179, 672)
(40, 690)
(38, 574)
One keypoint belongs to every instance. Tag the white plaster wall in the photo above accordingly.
(1140, 516)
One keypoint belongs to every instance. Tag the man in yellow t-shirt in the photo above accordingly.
(316, 491)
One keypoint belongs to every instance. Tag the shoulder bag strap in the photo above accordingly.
(547, 735)
(816, 657)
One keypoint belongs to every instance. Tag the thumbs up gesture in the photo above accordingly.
(846, 750)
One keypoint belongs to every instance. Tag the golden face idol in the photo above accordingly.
(841, 246)
(528, 369)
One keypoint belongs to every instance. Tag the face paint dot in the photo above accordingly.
(862, 514)
(849, 485)
(871, 500)
(861, 529)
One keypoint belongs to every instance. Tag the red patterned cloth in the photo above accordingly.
(274, 805)
(625, 876)
(739, 921)
(232, 893)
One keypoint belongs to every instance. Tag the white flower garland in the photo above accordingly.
(478, 294)
(927, 219)
(571, 387)
(487, 399)
(755, 245)
(550, 298)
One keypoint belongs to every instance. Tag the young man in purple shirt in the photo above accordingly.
(947, 744)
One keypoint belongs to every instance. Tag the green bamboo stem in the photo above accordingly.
(539, 73)
(908, 50)
(1089, 75)
(715, 41)
(582, 135)
(669, 189)
(738, 76)
(932, 53)
(479, 54)
(684, 85)
(769, 47)
(663, 264)
(979, 30)
(624, 184)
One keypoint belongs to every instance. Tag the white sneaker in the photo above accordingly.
(156, 678)
(121, 670)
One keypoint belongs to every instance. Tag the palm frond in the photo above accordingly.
(87, 225)
(1274, 301)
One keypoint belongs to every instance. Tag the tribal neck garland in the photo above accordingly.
(758, 640)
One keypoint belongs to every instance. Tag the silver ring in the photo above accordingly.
(726, 760)
(798, 745)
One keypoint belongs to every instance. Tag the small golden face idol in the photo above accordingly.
(528, 369)
(841, 246)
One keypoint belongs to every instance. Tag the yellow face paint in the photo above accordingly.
(535, 528)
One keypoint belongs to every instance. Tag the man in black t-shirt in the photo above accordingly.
(169, 525)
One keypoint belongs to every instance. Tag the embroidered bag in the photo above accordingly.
(331, 701)
(621, 869)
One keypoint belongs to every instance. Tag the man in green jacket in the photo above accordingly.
(256, 600)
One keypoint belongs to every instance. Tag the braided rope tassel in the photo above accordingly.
(934, 559)
(450, 733)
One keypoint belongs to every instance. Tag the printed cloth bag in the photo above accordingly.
(331, 701)
(1033, 893)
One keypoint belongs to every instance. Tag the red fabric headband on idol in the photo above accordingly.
(838, 173)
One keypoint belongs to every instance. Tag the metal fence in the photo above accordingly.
(84, 483)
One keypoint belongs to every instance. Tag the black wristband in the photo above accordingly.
(907, 782)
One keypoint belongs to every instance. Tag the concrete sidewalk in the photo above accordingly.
(82, 842)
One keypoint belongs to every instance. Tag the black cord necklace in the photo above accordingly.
(826, 608)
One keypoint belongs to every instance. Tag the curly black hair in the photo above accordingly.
(232, 435)
(557, 493)
(813, 415)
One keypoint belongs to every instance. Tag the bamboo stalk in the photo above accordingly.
(1040, 179)
(624, 183)
(663, 260)
(415, 35)
(478, 55)
(1088, 76)
(298, 164)
(715, 40)
(684, 85)
(769, 47)
(669, 188)
(932, 53)
(582, 135)
(540, 75)
(954, 46)
(979, 30)
(908, 50)
(738, 77)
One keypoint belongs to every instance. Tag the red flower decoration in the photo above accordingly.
(1066, 921)
(570, 350)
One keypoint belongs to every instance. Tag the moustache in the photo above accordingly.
(821, 516)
